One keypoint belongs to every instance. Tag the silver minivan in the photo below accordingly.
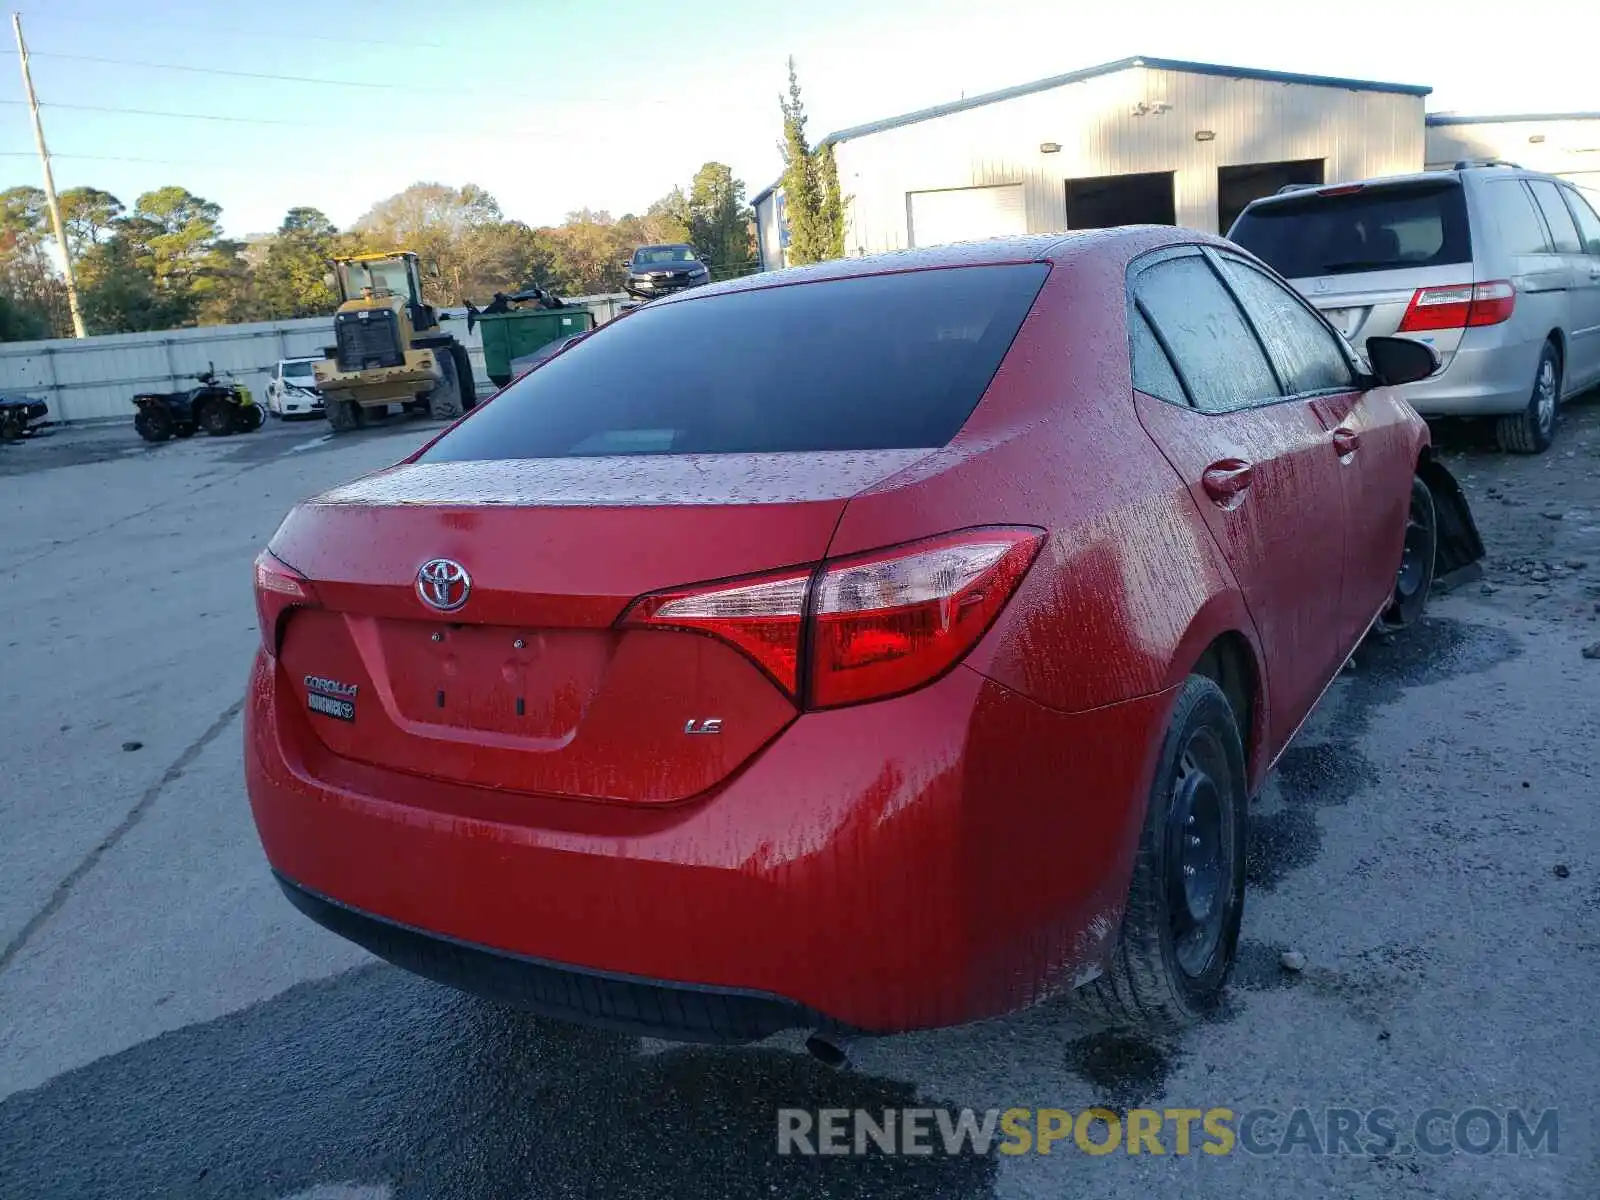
(1496, 267)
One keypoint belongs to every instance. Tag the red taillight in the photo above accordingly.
(891, 621)
(279, 587)
(761, 616)
(1341, 189)
(1459, 306)
(874, 625)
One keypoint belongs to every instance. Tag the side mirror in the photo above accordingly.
(1397, 360)
(627, 264)
(330, 278)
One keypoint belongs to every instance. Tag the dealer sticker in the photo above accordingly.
(343, 710)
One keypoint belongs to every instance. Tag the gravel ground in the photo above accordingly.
(1426, 854)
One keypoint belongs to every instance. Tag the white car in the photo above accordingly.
(292, 392)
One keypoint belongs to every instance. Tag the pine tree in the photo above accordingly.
(802, 187)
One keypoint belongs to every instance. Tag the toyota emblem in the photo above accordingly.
(443, 584)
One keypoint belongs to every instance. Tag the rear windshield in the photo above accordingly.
(1376, 229)
(873, 363)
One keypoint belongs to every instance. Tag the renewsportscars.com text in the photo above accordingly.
(1178, 1131)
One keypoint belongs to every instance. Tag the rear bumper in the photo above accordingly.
(604, 1000)
(946, 856)
(1488, 375)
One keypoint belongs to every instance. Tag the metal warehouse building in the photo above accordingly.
(1566, 144)
(1139, 140)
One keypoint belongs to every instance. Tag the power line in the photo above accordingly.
(155, 162)
(324, 81)
(47, 16)
(407, 131)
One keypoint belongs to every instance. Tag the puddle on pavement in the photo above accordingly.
(1437, 649)
(380, 1077)
(1284, 833)
(1126, 1071)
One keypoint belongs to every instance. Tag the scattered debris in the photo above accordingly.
(1539, 576)
(1293, 960)
(1562, 871)
(1488, 589)
(1592, 651)
(1554, 516)
(1576, 564)
(132, 746)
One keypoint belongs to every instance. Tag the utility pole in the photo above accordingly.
(49, 180)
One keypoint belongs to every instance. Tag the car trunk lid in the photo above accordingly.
(528, 686)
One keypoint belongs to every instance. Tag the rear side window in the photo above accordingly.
(1385, 228)
(1556, 216)
(1215, 350)
(1152, 369)
(1588, 222)
(1308, 355)
(872, 363)
(1521, 231)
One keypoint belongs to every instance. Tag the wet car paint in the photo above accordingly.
(855, 863)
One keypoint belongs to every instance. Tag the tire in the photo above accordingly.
(12, 426)
(444, 401)
(217, 419)
(464, 380)
(250, 418)
(1533, 429)
(1414, 579)
(153, 424)
(1169, 966)
(343, 415)
(185, 430)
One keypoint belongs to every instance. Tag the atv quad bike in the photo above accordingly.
(219, 406)
(17, 414)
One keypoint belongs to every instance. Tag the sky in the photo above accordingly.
(555, 105)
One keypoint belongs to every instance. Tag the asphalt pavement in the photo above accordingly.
(1427, 856)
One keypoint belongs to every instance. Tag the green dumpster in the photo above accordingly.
(512, 334)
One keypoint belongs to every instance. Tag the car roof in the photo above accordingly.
(1123, 244)
(1380, 181)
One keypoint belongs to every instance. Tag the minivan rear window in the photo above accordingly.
(875, 362)
(1379, 228)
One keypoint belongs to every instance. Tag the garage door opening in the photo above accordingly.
(1237, 186)
(965, 214)
(1109, 200)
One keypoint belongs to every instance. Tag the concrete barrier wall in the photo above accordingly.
(95, 378)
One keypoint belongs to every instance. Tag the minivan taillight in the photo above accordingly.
(870, 625)
(1459, 306)
(279, 588)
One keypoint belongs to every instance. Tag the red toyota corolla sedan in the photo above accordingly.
(867, 647)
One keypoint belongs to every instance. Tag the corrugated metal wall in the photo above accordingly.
(1568, 147)
(94, 378)
(1358, 133)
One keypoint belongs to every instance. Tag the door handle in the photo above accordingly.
(1346, 441)
(1226, 481)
